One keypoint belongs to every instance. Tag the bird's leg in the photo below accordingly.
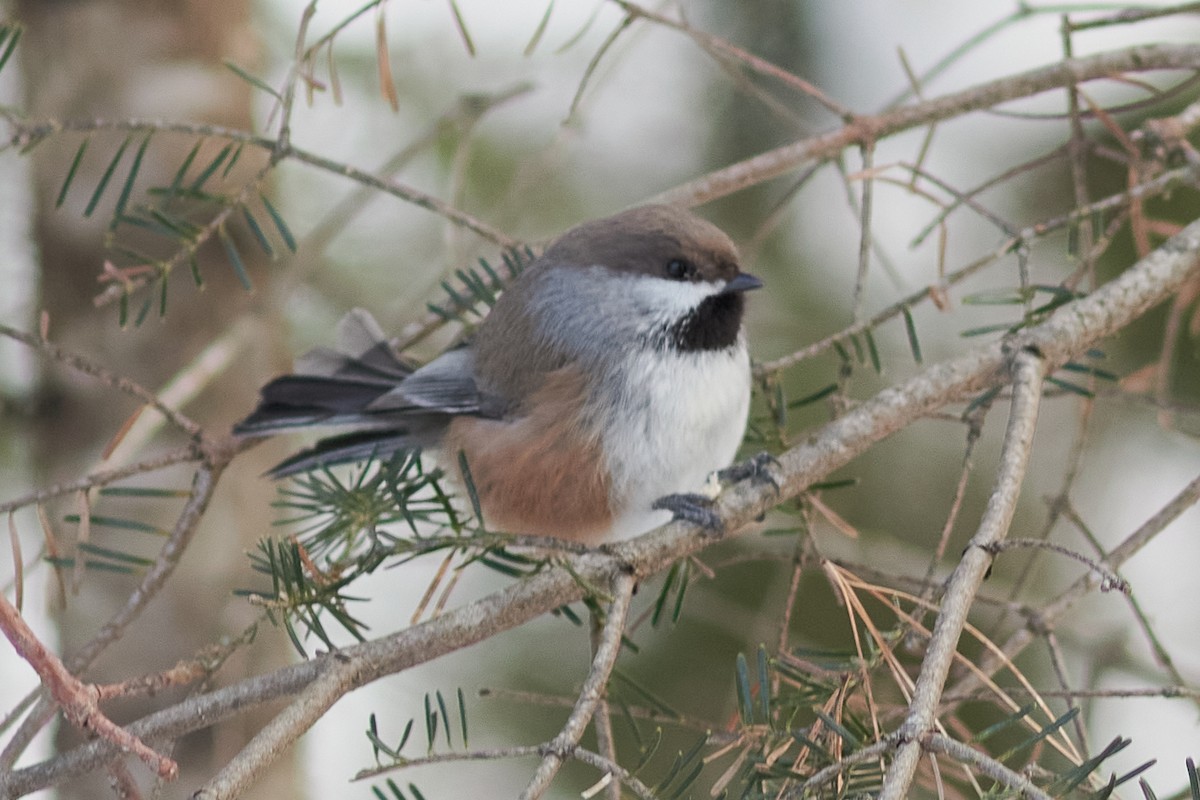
(757, 468)
(691, 507)
(697, 507)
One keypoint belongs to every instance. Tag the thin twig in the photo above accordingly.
(104, 478)
(865, 235)
(716, 44)
(27, 132)
(591, 695)
(1086, 583)
(1111, 579)
(1058, 660)
(1028, 371)
(940, 743)
(1160, 184)
(974, 432)
(107, 377)
(834, 770)
(284, 138)
(823, 147)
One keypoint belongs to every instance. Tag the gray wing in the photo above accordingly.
(448, 384)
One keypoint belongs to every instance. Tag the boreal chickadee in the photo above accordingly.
(613, 371)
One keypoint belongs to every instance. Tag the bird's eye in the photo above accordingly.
(679, 270)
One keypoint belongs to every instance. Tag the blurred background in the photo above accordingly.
(531, 117)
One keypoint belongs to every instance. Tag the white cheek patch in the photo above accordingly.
(665, 300)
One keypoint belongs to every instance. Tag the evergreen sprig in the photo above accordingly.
(350, 523)
(479, 287)
(172, 222)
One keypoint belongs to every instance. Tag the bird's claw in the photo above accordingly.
(698, 509)
(757, 468)
(690, 507)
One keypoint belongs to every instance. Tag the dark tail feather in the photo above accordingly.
(345, 449)
(296, 401)
(332, 386)
(336, 387)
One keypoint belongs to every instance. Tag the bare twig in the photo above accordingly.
(107, 377)
(79, 702)
(284, 138)
(591, 695)
(865, 234)
(26, 132)
(716, 44)
(1029, 368)
(823, 147)
(834, 770)
(103, 478)
(939, 743)
(1111, 579)
(1090, 581)
(1160, 184)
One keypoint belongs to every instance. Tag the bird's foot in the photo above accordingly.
(691, 507)
(697, 507)
(757, 468)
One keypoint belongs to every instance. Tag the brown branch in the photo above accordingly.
(25, 133)
(592, 694)
(864, 129)
(719, 46)
(78, 702)
(103, 478)
(1029, 370)
(107, 377)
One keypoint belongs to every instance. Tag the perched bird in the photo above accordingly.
(612, 372)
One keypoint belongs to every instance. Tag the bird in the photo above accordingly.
(609, 380)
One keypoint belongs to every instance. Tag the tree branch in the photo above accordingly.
(939, 743)
(862, 130)
(1029, 371)
(590, 696)
(78, 702)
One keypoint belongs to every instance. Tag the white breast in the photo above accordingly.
(675, 419)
